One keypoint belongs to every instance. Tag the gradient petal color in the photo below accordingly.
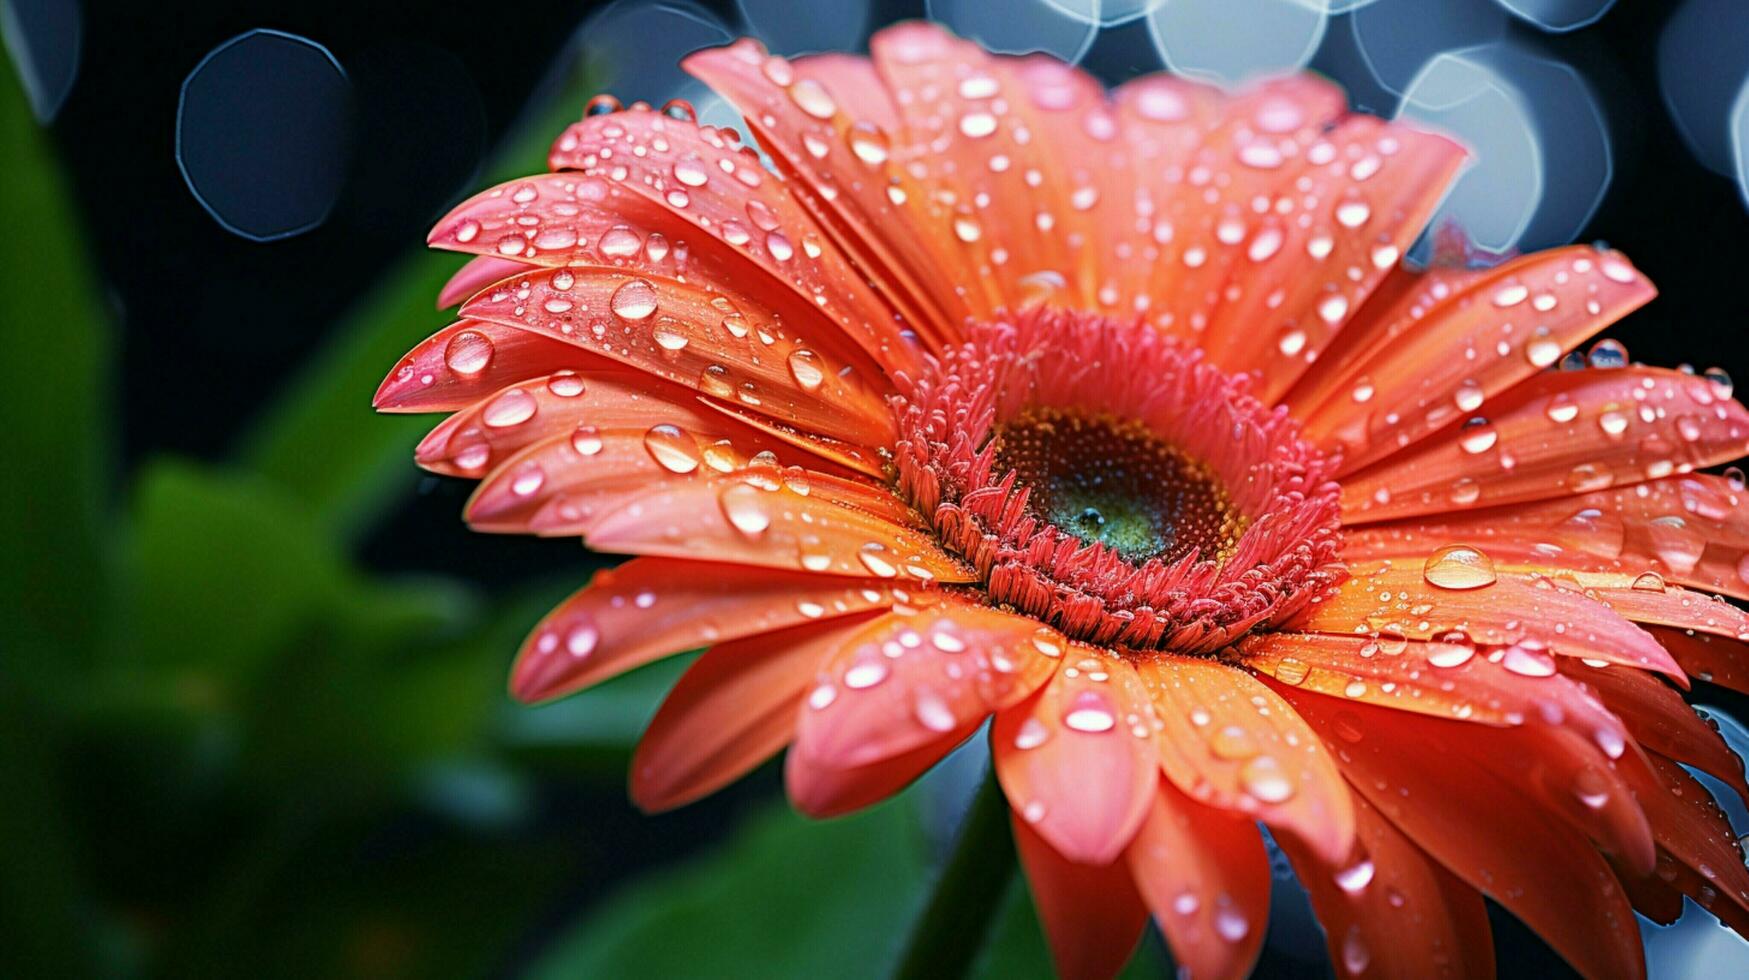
(1113, 421)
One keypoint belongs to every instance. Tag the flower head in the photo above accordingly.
(1117, 420)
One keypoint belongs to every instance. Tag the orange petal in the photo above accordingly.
(1204, 874)
(1229, 741)
(822, 791)
(701, 183)
(1393, 911)
(1395, 600)
(648, 608)
(1160, 121)
(1483, 829)
(468, 360)
(1559, 433)
(1077, 759)
(686, 334)
(1091, 914)
(479, 272)
(806, 113)
(566, 483)
(716, 518)
(1700, 852)
(916, 674)
(1368, 188)
(1402, 300)
(1713, 659)
(1659, 719)
(1502, 329)
(1690, 529)
(1443, 680)
(1645, 601)
(966, 137)
(731, 710)
(502, 423)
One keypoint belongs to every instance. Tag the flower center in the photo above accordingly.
(1115, 485)
(1111, 481)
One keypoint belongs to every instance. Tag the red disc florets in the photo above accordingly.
(1114, 484)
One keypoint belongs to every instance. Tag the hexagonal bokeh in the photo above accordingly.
(264, 134)
(43, 39)
(1230, 41)
(1558, 16)
(1019, 26)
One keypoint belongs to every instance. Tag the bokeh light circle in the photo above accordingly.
(1558, 16)
(1231, 41)
(1396, 38)
(264, 133)
(824, 25)
(1703, 61)
(44, 39)
(632, 49)
(1019, 26)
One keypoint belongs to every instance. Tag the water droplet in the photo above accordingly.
(1649, 582)
(514, 407)
(1451, 655)
(1720, 381)
(581, 640)
(1607, 353)
(468, 353)
(1352, 214)
(869, 144)
(586, 440)
(1587, 477)
(1527, 659)
(1291, 671)
(669, 333)
(1542, 352)
(565, 385)
(691, 172)
(1090, 713)
(1031, 735)
(932, 712)
(528, 481)
(812, 99)
(671, 448)
(1354, 878)
(1477, 435)
(634, 300)
(977, 125)
(744, 506)
(1355, 955)
(1459, 566)
(805, 367)
(1231, 924)
(866, 673)
(873, 556)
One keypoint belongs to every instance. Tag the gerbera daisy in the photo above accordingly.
(1118, 420)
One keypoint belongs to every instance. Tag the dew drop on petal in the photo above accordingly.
(634, 300)
(671, 448)
(586, 440)
(513, 407)
(1459, 566)
(468, 352)
(1089, 712)
(745, 507)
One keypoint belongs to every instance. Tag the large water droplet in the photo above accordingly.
(744, 505)
(514, 407)
(671, 448)
(634, 300)
(1459, 566)
(468, 353)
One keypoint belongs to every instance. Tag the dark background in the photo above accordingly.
(254, 711)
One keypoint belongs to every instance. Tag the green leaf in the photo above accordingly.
(54, 580)
(786, 897)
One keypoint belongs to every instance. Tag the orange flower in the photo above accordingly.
(1118, 420)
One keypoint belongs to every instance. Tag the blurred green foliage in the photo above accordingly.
(227, 749)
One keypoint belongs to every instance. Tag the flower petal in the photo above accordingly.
(712, 517)
(700, 182)
(822, 791)
(1713, 659)
(916, 674)
(1440, 679)
(468, 360)
(1229, 741)
(734, 708)
(1077, 760)
(1392, 911)
(1659, 719)
(1091, 914)
(1700, 853)
(566, 483)
(686, 334)
(504, 422)
(1204, 874)
(648, 608)
(841, 162)
(1690, 529)
(1473, 346)
(1395, 600)
(1485, 830)
(479, 272)
(1367, 188)
(1559, 433)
